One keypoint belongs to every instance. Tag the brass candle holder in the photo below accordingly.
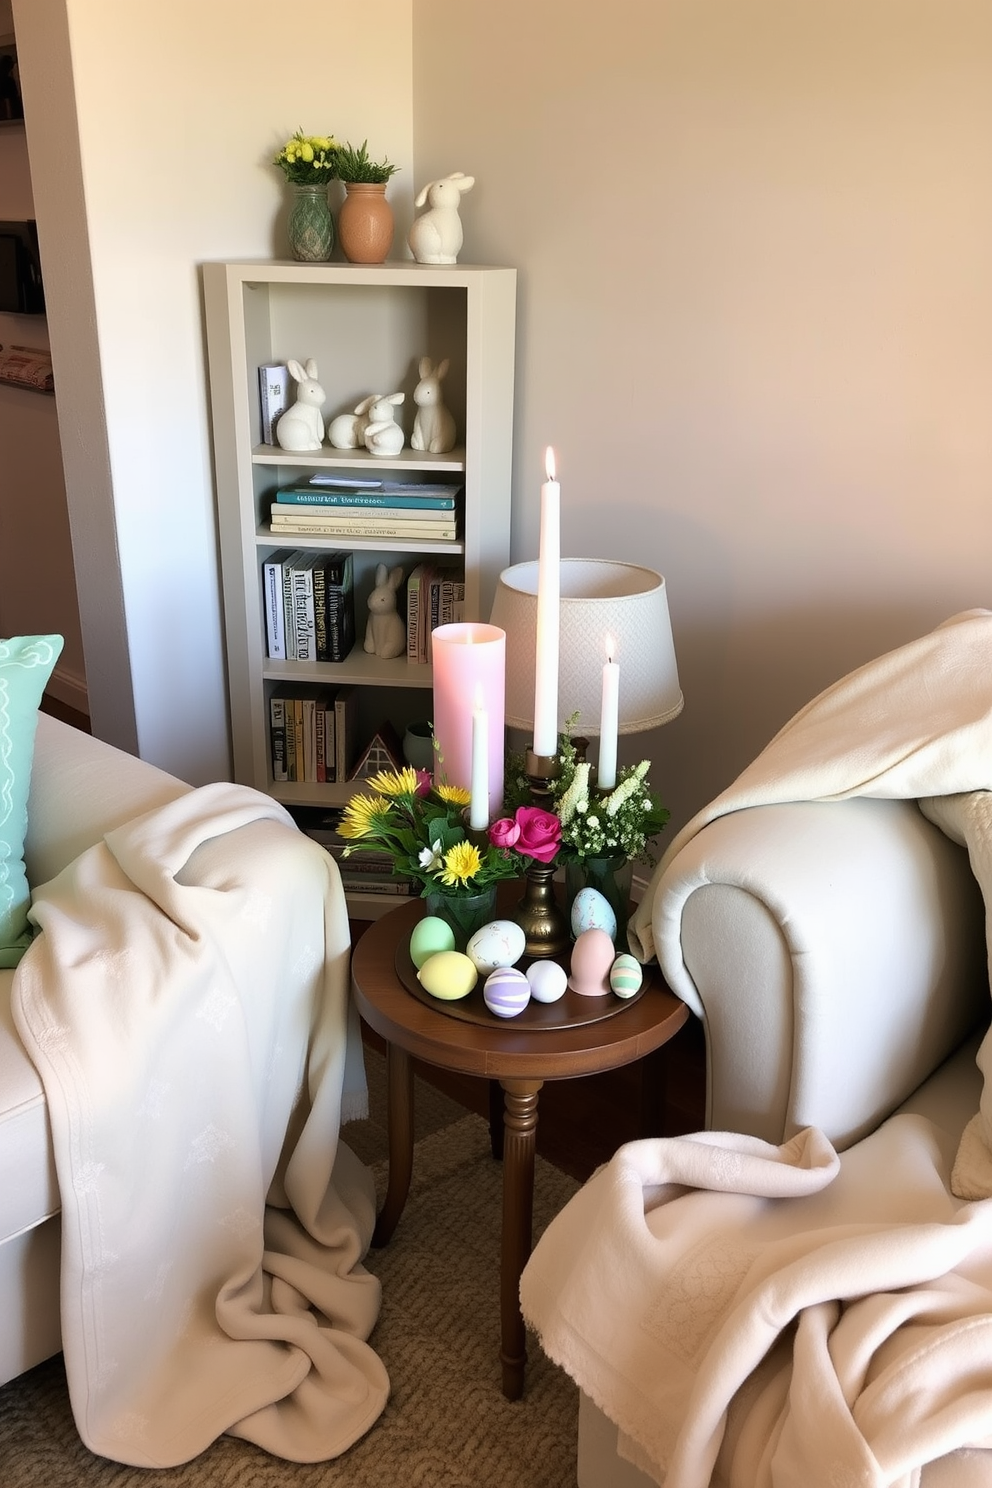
(539, 915)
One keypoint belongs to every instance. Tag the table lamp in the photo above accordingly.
(616, 674)
(602, 604)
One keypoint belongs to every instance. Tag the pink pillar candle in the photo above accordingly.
(469, 677)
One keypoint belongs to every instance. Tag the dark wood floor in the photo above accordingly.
(582, 1122)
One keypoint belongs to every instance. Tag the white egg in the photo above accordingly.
(591, 910)
(547, 980)
(500, 943)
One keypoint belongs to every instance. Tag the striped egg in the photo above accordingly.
(506, 992)
(626, 975)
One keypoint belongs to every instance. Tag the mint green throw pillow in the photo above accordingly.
(26, 663)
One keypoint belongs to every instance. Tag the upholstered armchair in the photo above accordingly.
(833, 943)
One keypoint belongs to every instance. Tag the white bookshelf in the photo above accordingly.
(366, 328)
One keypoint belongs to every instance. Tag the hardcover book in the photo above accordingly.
(273, 397)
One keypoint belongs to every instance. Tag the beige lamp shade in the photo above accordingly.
(599, 599)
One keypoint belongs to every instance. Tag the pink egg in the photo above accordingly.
(592, 957)
(506, 992)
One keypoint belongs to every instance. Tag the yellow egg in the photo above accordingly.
(448, 975)
(429, 936)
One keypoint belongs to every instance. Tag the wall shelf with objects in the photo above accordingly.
(367, 329)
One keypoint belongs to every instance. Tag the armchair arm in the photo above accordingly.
(835, 951)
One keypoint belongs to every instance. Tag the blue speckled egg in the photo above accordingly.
(591, 910)
(506, 992)
(626, 975)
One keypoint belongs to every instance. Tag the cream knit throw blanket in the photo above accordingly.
(915, 724)
(187, 1007)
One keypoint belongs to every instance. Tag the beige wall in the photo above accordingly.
(34, 523)
(150, 136)
(755, 251)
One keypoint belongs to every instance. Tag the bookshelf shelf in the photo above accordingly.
(367, 328)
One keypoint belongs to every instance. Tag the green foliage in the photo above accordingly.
(353, 165)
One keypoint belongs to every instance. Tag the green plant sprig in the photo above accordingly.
(354, 166)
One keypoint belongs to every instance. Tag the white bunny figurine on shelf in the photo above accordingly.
(347, 431)
(433, 425)
(385, 633)
(301, 427)
(436, 237)
(383, 435)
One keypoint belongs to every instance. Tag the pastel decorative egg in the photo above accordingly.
(500, 943)
(429, 936)
(448, 975)
(506, 992)
(626, 975)
(592, 956)
(547, 980)
(591, 910)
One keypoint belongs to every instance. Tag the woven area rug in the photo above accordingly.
(447, 1424)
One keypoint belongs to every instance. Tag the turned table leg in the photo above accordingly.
(519, 1142)
(399, 1125)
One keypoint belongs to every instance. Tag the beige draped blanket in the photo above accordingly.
(187, 1007)
(754, 1316)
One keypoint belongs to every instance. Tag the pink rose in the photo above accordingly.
(425, 781)
(539, 833)
(504, 833)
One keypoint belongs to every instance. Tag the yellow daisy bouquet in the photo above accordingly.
(308, 159)
(419, 823)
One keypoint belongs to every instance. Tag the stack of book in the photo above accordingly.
(342, 508)
(309, 605)
(311, 733)
(365, 870)
(434, 596)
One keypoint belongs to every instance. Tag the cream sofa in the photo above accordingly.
(838, 951)
(80, 789)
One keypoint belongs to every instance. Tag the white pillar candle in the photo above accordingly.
(548, 596)
(478, 811)
(606, 774)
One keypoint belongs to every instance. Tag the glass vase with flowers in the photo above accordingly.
(309, 163)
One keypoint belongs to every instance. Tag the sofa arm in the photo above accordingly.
(835, 951)
(81, 789)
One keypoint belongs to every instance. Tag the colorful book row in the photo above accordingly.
(311, 733)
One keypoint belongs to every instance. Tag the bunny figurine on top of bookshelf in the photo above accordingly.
(301, 427)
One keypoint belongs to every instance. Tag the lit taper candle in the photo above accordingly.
(606, 773)
(548, 598)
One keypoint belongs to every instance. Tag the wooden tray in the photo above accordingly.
(573, 1010)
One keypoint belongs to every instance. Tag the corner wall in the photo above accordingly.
(754, 242)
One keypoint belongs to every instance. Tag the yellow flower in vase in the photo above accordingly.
(461, 863)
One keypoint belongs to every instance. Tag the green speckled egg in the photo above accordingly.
(429, 936)
(626, 975)
(448, 975)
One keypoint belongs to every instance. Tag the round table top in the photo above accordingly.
(499, 1050)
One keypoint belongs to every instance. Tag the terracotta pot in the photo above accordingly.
(365, 223)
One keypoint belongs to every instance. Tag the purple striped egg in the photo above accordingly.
(506, 992)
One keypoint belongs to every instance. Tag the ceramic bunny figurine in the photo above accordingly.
(385, 633)
(383, 435)
(347, 431)
(301, 427)
(433, 425)
(436, 237)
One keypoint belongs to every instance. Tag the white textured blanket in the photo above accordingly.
(914, 724)
(187, 1009)
(753, 1316)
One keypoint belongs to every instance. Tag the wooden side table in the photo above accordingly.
(521, 1059)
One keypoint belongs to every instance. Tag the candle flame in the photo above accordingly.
(610, 645)
(549, 463)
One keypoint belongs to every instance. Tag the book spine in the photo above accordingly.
(290, 740)
(299, 774)
(413, 611)
(309, 710)
(289, 630)
(303, 617)
(344, 726)
(431, 532)
(273, 395)
(360, 500)
(435, 617)
(275, 614)
(327, 708)
(320, 612)
(358, 516)
(277, 737)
